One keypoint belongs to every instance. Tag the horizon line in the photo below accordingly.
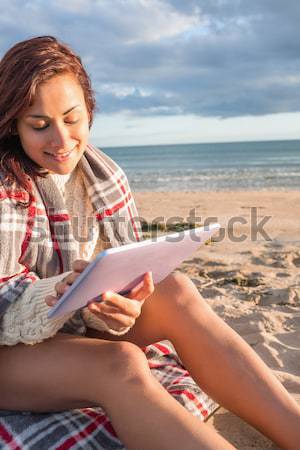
(198, 143)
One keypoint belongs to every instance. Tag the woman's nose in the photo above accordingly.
(59, 137)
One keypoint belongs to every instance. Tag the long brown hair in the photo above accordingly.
(22, 69)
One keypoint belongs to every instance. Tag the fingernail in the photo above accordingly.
(92, 307)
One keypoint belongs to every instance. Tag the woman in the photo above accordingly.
(51, 181)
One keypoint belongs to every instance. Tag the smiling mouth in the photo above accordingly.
(60, 156)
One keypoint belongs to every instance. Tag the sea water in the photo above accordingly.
(267, 165)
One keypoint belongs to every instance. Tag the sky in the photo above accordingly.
(177, 71)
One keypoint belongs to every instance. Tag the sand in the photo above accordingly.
(250, 276)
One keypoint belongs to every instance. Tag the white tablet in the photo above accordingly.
(119, 269)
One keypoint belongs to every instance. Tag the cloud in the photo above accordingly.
(212, 58)
(131, 21)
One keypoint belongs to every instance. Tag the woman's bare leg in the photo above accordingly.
(220, 361)
(68, 372)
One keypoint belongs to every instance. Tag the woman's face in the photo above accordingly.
(54, 130)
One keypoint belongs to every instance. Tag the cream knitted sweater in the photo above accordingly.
(26, 319)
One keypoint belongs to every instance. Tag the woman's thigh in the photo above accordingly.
(62, 373)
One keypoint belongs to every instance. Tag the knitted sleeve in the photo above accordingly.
(26, 320)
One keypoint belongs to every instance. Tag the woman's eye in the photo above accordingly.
(71, 121)
(40, 128)
(43, 126)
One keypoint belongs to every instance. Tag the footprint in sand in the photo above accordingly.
(274, 244)
(278, 264)
(271, 259)
(216, 274)
(296, 261)
(235, 277)
(283, 296)
(282, 275)
(214, 263)
(210, 293)
(258, 261)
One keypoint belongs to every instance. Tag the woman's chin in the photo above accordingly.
(62, 169)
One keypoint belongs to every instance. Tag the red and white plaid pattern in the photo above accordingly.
(90, 428)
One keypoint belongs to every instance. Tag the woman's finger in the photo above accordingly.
(120, 304)
(66, 282)
(51, 300)
(131, 305)
(61, 287)
(79, 265)
(69, 279)
(114, 320)
(141, 292)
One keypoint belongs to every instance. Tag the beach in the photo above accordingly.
(249, 275)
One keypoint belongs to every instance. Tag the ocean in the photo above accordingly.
(267, 165)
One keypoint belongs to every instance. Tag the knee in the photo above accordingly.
(179, 291)
(126, 363)
(101, 371)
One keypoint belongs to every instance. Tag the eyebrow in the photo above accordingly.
(39, 116)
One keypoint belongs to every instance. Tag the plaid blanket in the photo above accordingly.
(90, 428)
(39, 239)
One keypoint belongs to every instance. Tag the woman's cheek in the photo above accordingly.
(31, 139)
(83, 132)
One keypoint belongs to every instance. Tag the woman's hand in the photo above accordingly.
(115, 310)
(78, 266)
(119, 312)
